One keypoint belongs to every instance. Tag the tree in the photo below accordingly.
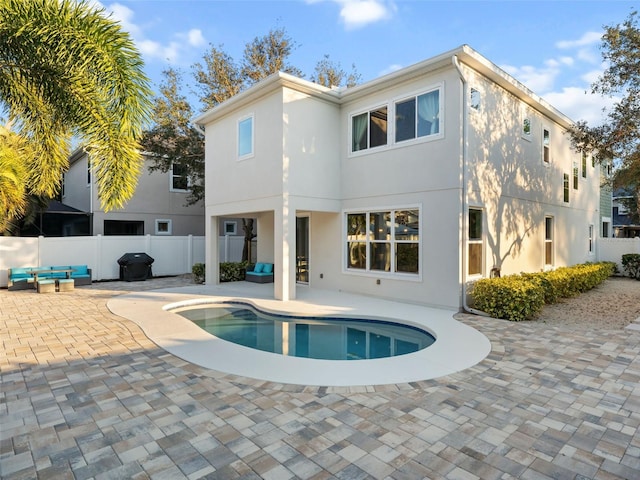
(67, 69)
(173, 139)
(619, 137)
(330, 74)
(13, 172)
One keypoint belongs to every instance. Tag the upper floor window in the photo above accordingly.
(526, 128)
(418, 116)
(545, 146)
(565, 182)
(88, 171)
(575, 175)
(474, 100)
(584, 165)
(179, 177)
(369, 129)
(245, 137)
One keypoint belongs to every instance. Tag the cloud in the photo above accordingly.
(536, 79)
(172, 49)
(587, 39)
(359, 13)
(579, 104)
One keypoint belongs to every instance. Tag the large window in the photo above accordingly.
(369, 129)
(245, 137)
(179, 177)
(384, 241)
(475, 242)
(418, 116)
(548, 240)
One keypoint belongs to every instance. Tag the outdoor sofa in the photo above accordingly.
(21, 279)
(260, 273)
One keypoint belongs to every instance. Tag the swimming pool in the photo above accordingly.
(457, 346)
(322, 338)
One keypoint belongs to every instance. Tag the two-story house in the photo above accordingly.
(158, 207)
(407, 187)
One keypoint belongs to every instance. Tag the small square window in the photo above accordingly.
(163, 227)
(230, 228)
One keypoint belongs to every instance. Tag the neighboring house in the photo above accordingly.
(407, 187)
(606, 201)
(158, 206)
(624, 224)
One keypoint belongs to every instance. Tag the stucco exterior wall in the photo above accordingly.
(153, 200)
(509, 180)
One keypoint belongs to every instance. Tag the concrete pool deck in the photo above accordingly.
(85, 394)
(456, 348)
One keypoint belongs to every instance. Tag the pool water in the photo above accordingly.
(316, 337)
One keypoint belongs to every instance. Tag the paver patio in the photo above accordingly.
(84, 394)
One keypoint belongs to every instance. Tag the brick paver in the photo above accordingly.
(84, 394)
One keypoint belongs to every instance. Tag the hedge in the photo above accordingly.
(232, 271)
(519, 297)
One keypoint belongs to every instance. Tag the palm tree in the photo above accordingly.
(66, 69)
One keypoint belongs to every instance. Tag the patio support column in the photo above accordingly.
(212, 251)
(285, 249)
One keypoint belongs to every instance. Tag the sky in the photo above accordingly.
(553, 47)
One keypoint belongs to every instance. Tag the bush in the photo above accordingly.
(513, 297)
(631, 265)
(198, 271)
(232, 271)
(518, 297)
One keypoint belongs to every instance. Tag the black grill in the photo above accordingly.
(135, 267)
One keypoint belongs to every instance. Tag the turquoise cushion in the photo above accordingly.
(20, 272)
(79, 270)
(258, 268)
(268, 268)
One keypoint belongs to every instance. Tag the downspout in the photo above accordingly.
(465, 203)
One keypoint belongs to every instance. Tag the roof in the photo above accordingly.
(58, 207)
(463, 54)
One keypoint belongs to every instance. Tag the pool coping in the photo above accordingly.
(457, 346)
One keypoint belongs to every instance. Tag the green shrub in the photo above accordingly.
(198, 271)
(631, 265)
(518, 297)
(232, 271)
(512, 298)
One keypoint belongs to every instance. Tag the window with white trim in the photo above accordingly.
(179, 178)
(369, 129)
(88, 171)
(475, 242)
(546, 142)
(230, 228)
(163, 227)
(575, 175)
(526, 128)
(548, 241)
(590, 238)
(384, 241)
(245, 137)
(474, 99)
(418, 116)
(584, 165)
(565, 186)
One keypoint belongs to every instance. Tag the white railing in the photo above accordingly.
(172, 255)
(612, 249)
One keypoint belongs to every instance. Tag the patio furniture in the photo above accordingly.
(47, 285)
(261, 273)
(66, 284)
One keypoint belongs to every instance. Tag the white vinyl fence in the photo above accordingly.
(612, 249)
(172, 255)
